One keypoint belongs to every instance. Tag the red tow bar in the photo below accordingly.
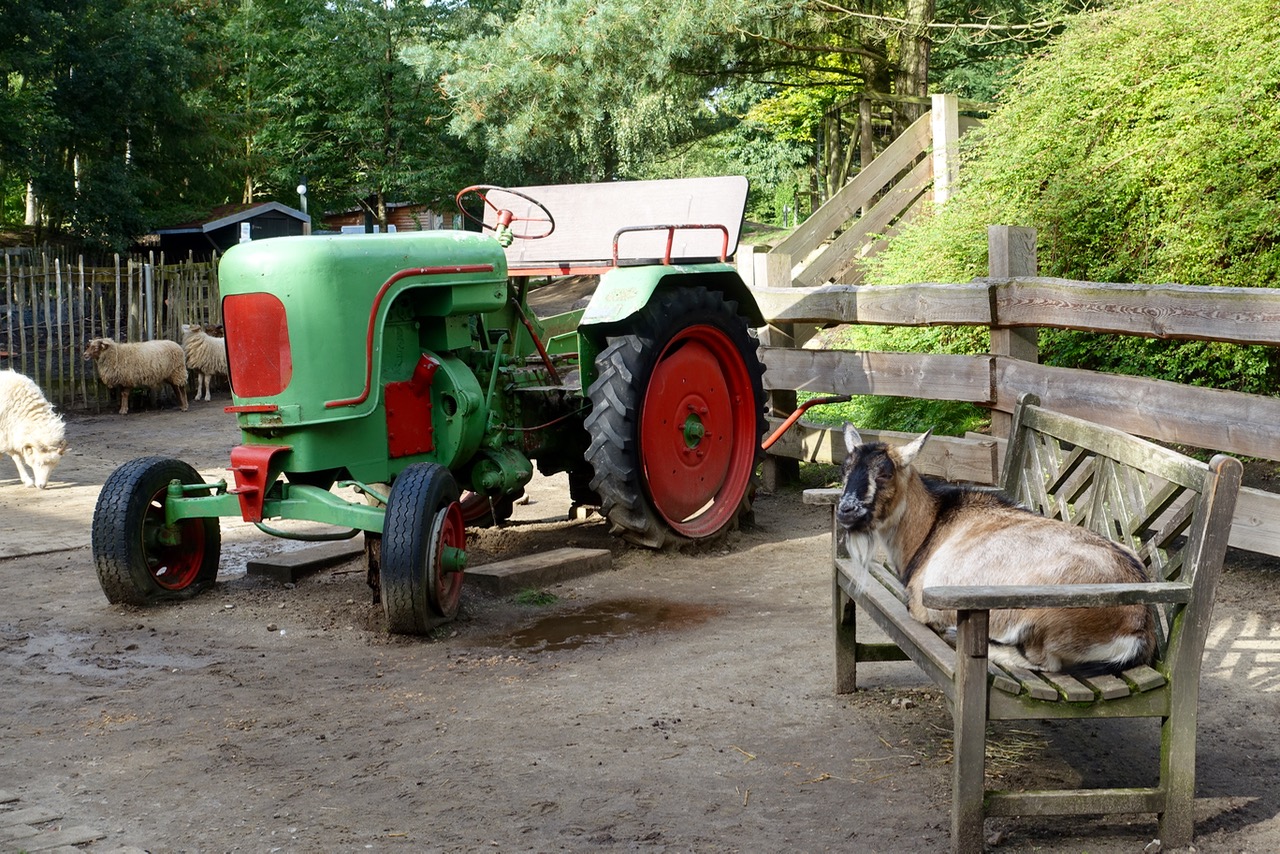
(795, 416)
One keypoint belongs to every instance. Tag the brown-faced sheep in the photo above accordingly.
(206, 356)
(30, 431)
(146, 363)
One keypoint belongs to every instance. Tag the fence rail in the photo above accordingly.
(52, 306)
(1013, 306)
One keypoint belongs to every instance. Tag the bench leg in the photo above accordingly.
(844, 621)
(970, 738)
(1178, 768)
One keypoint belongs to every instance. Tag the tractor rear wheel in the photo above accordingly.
(676, 420)
(423, 550)
(139, 559)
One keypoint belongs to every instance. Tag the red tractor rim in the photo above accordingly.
(475, 505)
(451, 532)
(698, 431)
(173, 561)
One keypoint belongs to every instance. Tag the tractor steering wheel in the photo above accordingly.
(505, 217)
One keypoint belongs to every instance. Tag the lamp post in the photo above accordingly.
(302, 194)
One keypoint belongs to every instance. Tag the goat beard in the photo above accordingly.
(860, 545)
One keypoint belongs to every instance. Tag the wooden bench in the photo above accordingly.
(1173, 510)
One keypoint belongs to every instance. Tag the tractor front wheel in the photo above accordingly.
(140, 559)
(424, 543)
(676, 419)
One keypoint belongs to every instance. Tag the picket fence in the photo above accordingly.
(53, 306)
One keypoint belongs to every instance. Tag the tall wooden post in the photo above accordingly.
(944, 119)
(1011, 253)
(774, 271)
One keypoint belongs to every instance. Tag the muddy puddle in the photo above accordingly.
(601, 623)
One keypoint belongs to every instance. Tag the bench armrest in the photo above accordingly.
(1015, 596)
(822, 495)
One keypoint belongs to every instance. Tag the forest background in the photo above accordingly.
(1137, 136)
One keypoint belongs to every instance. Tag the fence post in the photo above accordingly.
(148, 277)
(944, 119)
(8, 318)
(774, 271)
(1011, 252)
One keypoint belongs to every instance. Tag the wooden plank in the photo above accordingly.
(1108, 687)
(1144, 678)
(926, 304)
(931, 653)
(1256, 523)
(1228, 421)
(935, 377)
(1002, 680)
(27, 815)
(974, 597)
(288, 567)
(967, 460)
(1036, 687)
(1237, 315)
(1074, 802)
(842, 252)
(17, 833)
(1021, 708)
(1069, 688)
(845, 204)
(512, 575)
(46, 840)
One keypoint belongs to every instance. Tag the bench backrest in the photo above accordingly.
(1175, 512)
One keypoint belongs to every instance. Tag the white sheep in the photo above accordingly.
(146, 363)
(206, 355)
(30, 431)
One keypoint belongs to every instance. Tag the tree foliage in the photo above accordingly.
(136, 113)
(326, 96)
(1141, 146)
(109, 137)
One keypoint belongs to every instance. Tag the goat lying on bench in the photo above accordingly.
(936, 533)
(1172, 512)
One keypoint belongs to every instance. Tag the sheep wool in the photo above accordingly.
(206, 356)
(30, 431)
(146, 363)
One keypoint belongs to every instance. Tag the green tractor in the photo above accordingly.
(409, 372)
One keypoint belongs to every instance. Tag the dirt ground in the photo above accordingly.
(675, 703)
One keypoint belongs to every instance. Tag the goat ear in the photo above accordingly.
(852, 439)
(908, 452)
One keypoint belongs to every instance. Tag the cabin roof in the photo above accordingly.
(230, 214)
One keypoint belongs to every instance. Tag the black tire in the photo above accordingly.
(421, 586)
(645, 471)
(134, 564)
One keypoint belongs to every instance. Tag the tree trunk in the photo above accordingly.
(913, 68)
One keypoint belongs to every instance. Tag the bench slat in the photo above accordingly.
(1001, 680)
(1034, 685)
(1144, 678)
(1069, 688)
(1108, 687)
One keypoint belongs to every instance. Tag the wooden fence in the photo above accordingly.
(916, 168)
(1013, 302)
(52, 306)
